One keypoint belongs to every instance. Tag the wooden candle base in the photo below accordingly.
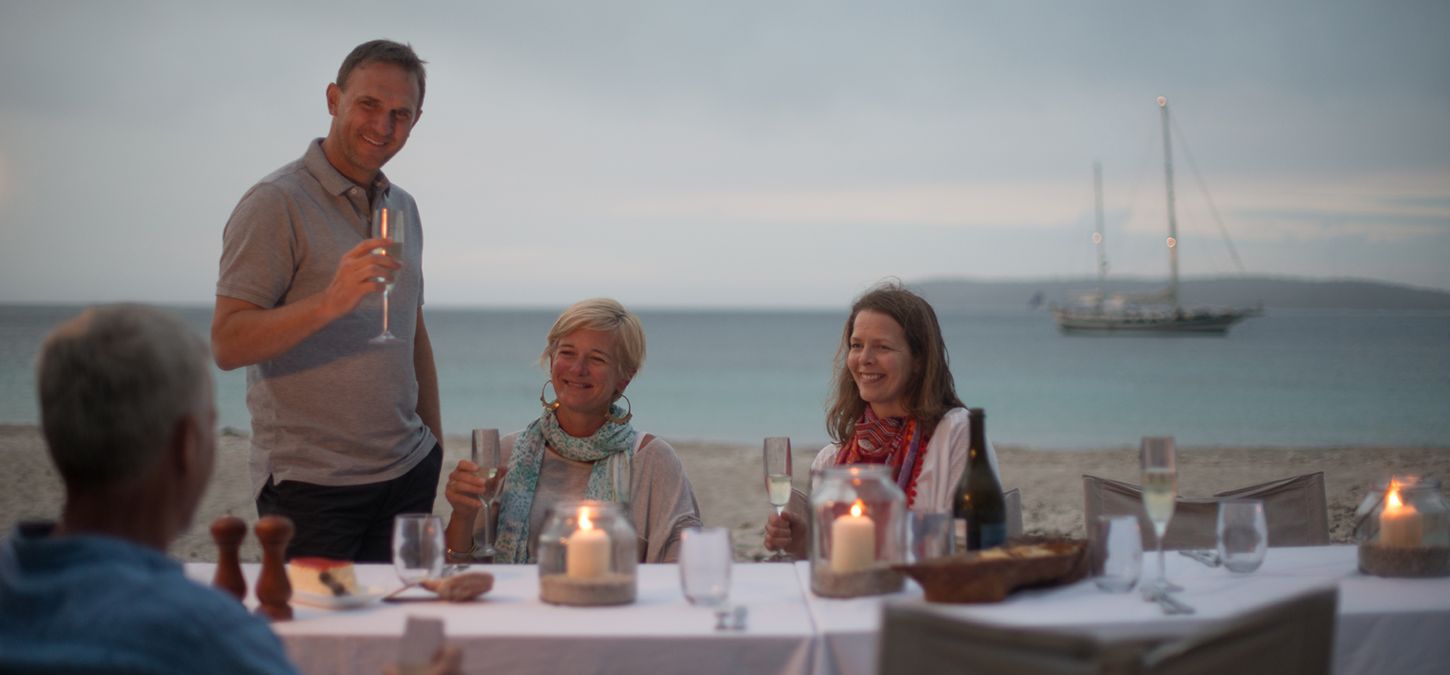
(610, 589)
(1404, 561)
(878, 580)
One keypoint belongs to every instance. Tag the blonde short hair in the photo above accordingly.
(601, 314)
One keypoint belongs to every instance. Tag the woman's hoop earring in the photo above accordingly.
(628, 413)
(549, 406)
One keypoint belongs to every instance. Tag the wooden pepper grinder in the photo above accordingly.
(273, 589)
(228, 532)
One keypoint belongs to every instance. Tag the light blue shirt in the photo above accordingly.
(99, 604)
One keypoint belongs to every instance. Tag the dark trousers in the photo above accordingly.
(351, 522)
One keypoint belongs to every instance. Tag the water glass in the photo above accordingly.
(1243, 534)
(928, 535)
(1117, 553)
(705, 560)
(417, 547)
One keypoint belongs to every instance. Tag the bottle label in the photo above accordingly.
(993, 535)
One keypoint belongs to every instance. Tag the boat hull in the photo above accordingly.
(1182, 322)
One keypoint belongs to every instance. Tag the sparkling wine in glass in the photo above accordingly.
(417, 547)
(487, 456)
(1160, 490)
(777, 477)
(388, 223)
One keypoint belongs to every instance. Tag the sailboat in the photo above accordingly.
(1153, 313)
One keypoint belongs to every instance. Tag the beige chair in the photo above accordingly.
(915, 640)
(1292, 637)
(1293, 507)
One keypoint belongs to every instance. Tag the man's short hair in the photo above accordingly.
(385, 51)
(113, 382)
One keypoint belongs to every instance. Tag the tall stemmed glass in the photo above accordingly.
(486, 455)
(777, 479)
(388, 223)
(1160, 489)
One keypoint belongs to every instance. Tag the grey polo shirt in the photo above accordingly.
(333, 410)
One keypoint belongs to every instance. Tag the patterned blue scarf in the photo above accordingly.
(612, 443)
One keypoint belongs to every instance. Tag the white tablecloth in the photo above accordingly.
(511, 631)
(1399, 626)
(1396, 626)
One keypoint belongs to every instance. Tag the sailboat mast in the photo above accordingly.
(1099, 239)
(1172, 215)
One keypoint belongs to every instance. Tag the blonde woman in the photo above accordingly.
(582, 439)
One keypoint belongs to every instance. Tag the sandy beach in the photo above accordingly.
(727, 482)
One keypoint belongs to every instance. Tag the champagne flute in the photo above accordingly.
(777, 478)
(388, 223)
(417, 547)
(1160, 489)
(487, 456)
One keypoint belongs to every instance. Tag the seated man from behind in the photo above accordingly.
(126, 409)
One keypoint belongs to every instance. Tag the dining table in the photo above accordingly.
(1383, 625)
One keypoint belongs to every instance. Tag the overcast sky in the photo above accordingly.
(741, 153)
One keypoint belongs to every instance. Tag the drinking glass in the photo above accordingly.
(1160, 489)
(388, 223)
(777, 478)
(487, 456)
(417, 547)
(929, 535)
(1243, 534)
(1117, 553)
(705, 560)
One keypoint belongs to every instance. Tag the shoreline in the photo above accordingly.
(729, 488)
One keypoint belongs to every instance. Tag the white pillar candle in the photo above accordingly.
(1400, 524)
(587, 553)
(853, 541)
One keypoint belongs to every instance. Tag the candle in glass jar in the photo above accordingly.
(853, 541)
(587, 553)
(1400, 524)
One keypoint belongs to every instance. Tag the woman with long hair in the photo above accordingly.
(894, 403)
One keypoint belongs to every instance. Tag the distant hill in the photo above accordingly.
(1272, 292)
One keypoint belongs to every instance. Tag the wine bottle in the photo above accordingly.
(978, 503)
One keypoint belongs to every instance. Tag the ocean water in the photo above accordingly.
(1291, 378)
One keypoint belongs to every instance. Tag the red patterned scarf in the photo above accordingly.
(895, 441)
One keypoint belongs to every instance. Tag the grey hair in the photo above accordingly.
(113, 382)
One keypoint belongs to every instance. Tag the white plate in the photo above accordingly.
(362, 597)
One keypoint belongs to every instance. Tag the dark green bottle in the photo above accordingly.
(978, 499)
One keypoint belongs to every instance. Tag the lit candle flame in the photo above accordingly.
(584, 522)
(857, 509)
(1392, 500)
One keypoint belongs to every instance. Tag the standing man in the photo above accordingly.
(345, 434)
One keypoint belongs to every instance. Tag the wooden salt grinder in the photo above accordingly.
(228, 532)
(273, 589)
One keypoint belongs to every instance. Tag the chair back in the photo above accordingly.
(915, 640)
(1291, 637)
(1013, 499)
(1294, 509)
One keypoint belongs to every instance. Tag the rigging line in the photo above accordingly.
(1212, 208)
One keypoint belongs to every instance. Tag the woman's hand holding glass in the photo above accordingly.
(787, 532)
(465, 491)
